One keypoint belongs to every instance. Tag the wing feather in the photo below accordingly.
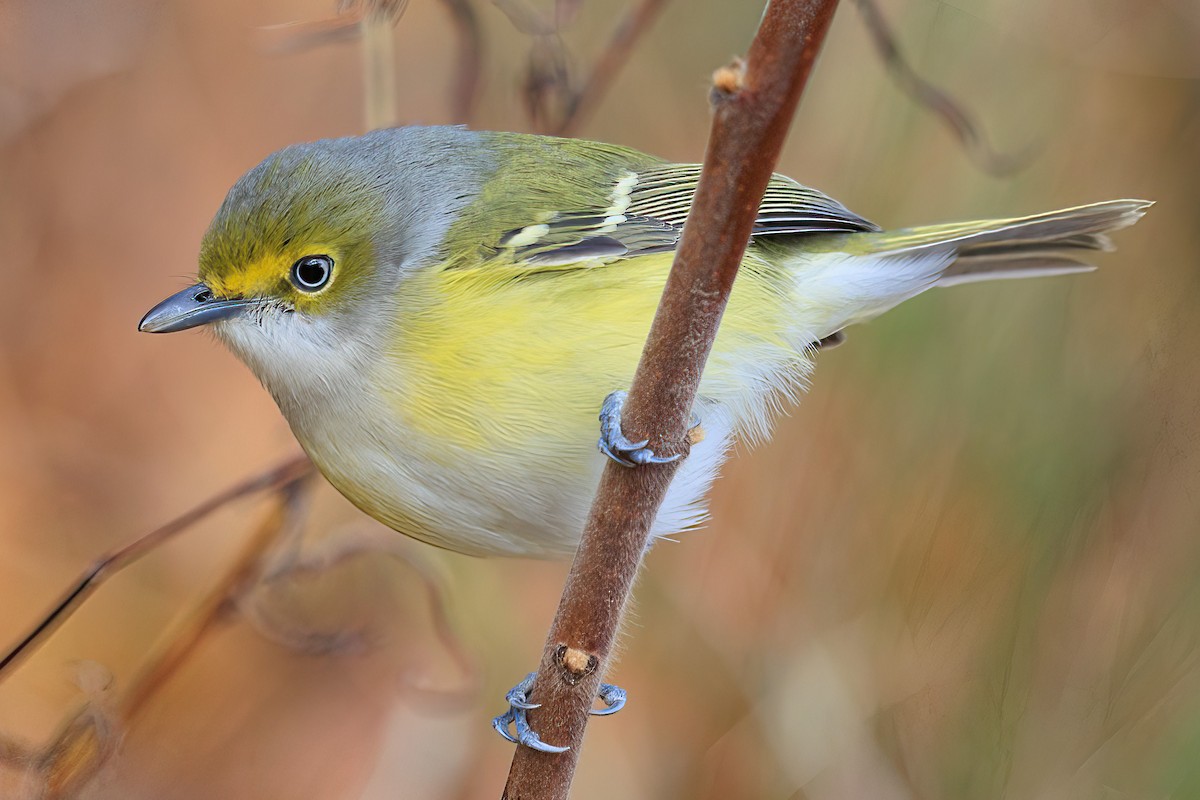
(646, 215)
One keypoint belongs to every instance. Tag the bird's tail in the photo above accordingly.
(865, 274)
(1053, 243)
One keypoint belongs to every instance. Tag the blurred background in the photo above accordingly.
(968, 566)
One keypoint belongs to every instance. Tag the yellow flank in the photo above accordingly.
(497, 357)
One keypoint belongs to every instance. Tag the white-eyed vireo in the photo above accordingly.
(439, 312)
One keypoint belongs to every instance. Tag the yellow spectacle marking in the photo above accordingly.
(261, 277)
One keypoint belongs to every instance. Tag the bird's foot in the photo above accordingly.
(613, 442)
(515, 720)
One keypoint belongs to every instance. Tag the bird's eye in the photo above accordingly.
(311, 273)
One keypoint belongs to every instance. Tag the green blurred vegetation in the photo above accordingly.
(966, 567)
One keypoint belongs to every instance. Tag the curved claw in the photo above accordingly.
(518, 696)
(613, 697)
(647, 456)
(518, 704)
(616, 445)
(502, 722)
(604, 448)
(528, 736)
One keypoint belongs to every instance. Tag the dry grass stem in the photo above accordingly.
(951, 111)
(274, 479)
(85, 743)
(633, 25)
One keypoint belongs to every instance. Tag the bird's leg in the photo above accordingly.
(613, 442)
(517, 698)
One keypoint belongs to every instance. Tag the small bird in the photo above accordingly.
(440, 313)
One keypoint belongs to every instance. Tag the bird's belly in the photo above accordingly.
(528, 498)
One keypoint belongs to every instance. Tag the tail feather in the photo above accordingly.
(1082, 241)
(888, 267)
(1080, 227)
(1057, 243)
(1054, 243)
(1035, 264)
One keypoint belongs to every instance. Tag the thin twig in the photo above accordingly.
(470, 60)
(245, 573)
(373, 541)
(548, 70)
(526, 19)
(960, 122)
(91, 737)
(288, 472)
(636, 21)
(379, 61)
(753, 107)
(547, 86)
(548, 75)
(373, 22)
(294, 37)
(565, 12)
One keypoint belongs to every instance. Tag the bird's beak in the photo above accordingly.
(190, 308)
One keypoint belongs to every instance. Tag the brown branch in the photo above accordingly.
(635, 22)
(753, 105)
(925, 94)
(273, 479)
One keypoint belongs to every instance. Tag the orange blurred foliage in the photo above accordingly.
(965, 567)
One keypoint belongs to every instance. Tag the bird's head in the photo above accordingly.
(295, 235)
(305, 255)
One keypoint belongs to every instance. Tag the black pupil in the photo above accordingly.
(312, 272)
